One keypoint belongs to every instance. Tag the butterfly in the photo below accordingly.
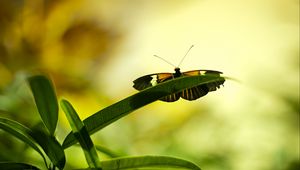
(189, 93)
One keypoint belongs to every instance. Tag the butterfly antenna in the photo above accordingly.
(164, 60)
(185, 55)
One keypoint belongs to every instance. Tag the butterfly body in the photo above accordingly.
(188, 94)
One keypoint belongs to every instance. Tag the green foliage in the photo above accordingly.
(42, 139)
(14, 166)
(21, 132)
(45, 100)
(151, 162)
(81, 135)
(50, 145)
(108, 152)
(120, 109)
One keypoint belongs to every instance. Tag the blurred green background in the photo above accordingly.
(94, 49)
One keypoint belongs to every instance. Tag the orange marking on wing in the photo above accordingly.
(191, 73)
(163, 76)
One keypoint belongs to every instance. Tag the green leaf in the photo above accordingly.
(16, 166)
(50, 145)
(46, 101)
(116, 111)
(107, 151)
(81, 134)
(21, 132)
(151, 162)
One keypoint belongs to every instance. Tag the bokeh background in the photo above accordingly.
(94, 49)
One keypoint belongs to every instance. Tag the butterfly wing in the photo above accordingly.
(194, 92)
(201, 90)
(188, 94)
(201, 72)
(171, 98)
(153, 79)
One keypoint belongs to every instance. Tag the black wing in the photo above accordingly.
(188, 94)
(151, 80)
(201, 90)
(201, 72)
